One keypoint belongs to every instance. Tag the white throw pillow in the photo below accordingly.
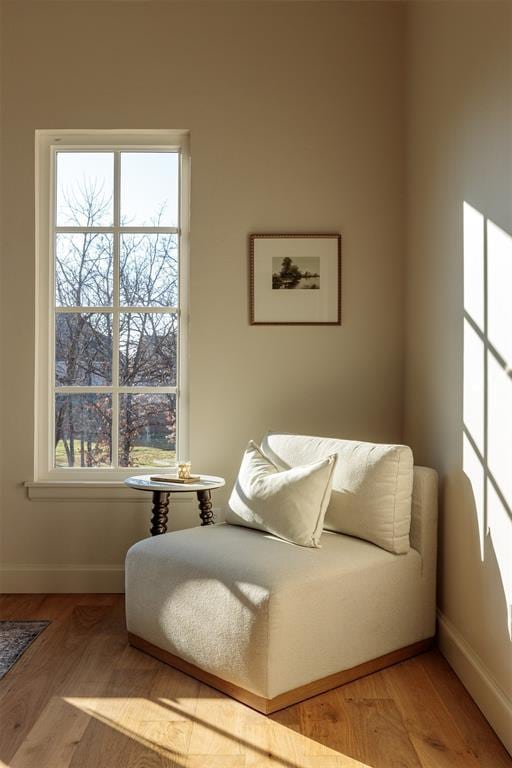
(290, 504)
(371, 487)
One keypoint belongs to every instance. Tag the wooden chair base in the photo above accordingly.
(267, 706)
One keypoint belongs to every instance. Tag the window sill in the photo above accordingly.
(76, 490)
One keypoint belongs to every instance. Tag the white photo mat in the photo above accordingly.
(295, 279)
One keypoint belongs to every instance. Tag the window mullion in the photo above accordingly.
(70, 230)
(157, 309)
(52, 302)
(115, 317)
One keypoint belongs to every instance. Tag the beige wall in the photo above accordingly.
(296, 119)
(459, 69)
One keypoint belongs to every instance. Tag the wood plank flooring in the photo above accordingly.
(80, 697)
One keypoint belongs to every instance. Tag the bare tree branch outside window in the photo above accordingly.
(84, 348)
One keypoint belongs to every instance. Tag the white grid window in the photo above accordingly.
(112, 361)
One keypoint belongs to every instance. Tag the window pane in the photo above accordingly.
(149, 189)
(83, 270)
(147, 349)
(149, 270)
(83, 349)
(83, 430)
(85, 184)
(147, 430)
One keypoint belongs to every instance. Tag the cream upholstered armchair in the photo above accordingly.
(271, 623)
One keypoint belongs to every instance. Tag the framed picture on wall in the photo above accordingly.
(295, 279)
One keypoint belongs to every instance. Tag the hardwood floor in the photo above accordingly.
(80, 697)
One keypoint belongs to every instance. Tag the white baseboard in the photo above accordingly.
(469, 667)
(39, 578)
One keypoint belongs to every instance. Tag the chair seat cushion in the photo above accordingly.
(267, 615)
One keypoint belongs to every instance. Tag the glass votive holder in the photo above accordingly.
(184, 468)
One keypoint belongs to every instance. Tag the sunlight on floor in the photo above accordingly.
(187, 731)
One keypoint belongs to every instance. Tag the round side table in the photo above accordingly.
(162, 491)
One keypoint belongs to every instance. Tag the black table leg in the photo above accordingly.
(159, 512)
(205, 507)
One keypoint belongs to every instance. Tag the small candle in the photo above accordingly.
(184, 468)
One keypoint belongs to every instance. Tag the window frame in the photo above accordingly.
(48, 143)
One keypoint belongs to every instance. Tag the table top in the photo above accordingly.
(144, 483)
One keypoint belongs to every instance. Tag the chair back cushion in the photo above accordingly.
(371, 488)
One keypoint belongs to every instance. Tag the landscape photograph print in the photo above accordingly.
(302, 272)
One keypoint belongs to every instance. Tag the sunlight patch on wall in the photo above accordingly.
(474, 362)
(474, 397)
(474, 471)
(499, 405)
(474, 264)
(499, 289)
(487, 386)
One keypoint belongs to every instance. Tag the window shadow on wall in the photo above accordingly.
(487, 410)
